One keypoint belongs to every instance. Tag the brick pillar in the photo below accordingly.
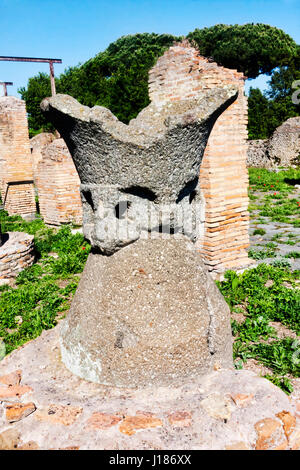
(182, 74)
(37, 145)
(58, 185)
(16, 175)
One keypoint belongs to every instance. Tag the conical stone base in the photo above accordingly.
(149, 314)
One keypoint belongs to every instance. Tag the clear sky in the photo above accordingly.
(76, 30)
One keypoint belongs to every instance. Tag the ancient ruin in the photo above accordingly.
(282, 149)
(182, 74)
(30, 167)
(57, 183)
(37, 145)
(16, 175)
(144, 358)
(146, 311)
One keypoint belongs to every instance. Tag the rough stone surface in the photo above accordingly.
(17, 411)
(37, 145)
(155, 417)
(14, 378)
(284, 144)
(167, 321)
(181, 73)
(152, 163)
(100, 420)
(270, 435)
(258, 155)
(16, 254)
(58, 185)
(59, 414)
(281, 150)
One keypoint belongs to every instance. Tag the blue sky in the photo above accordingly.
(75, 30)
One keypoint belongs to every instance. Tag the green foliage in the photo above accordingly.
(265, 180)
(276, 302)
(270, 109)
(261, 254)
(117, 78)
(37, 89)
(39, 298)
(277, 205)
(282, 382)
(250, 48)
(281, 263)
(293, 254)
(258, 115)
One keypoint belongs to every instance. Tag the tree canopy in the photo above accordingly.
(251, 48)
(117, 78)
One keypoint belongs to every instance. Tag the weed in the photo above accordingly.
(262, 295)
(259, 231)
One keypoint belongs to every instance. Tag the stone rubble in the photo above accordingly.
(46, 407)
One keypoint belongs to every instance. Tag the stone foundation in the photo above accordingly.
(44, 406)
(16, 254)
(16, 174)
(183, 74)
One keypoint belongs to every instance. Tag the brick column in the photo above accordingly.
(58, 185)
(182, 74)
(16, 174)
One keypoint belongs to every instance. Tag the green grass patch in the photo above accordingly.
(265, 293)
(259, 231)
(43, 292)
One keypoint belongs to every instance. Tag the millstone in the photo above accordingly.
(149, 314)
(146, 310)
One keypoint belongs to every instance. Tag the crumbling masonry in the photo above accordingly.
(182, 74)
(16, 174)
(43, 161)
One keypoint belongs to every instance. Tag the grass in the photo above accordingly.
(268, 293)
(264, 294)
(43, 292)
(259, 231)
(276, 203)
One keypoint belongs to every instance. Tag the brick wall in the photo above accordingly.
(15, 158)
(58, 185)
(182, 73)
(37, 144)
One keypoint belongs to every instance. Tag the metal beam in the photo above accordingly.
(29, 59)
(35, 59)
(5, 85)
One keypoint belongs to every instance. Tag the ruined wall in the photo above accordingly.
(15, 159)
(282, 149)
(58, 185)
(37, 144)
(181, 73)
(258, 154)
